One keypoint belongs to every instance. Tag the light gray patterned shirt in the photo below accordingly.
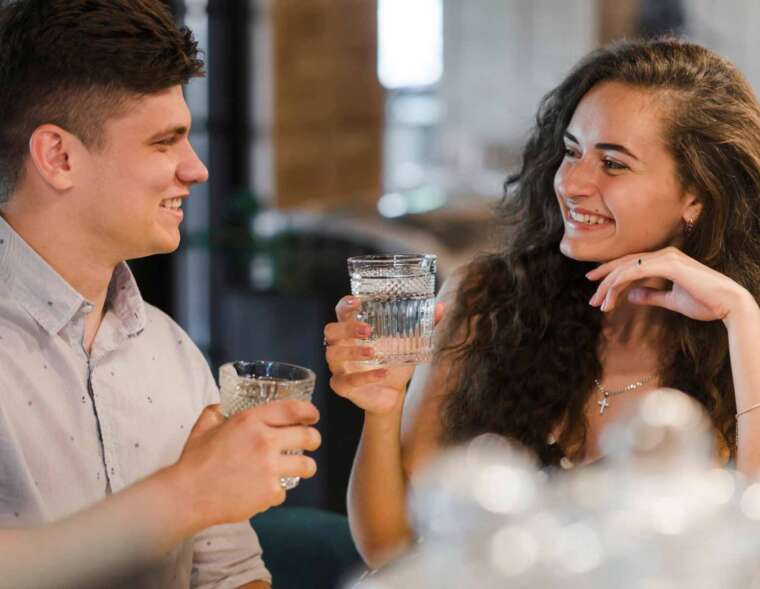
(74, 427)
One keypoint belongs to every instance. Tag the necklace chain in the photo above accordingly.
(606, 393)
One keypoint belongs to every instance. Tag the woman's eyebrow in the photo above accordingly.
(605, 146)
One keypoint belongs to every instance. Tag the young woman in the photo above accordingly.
(631, 260)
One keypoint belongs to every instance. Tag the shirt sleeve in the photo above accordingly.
(226, 557)
(229, 555)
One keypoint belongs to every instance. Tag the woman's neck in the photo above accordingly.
(631, 341)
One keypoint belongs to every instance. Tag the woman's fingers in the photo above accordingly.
(338, 355)
(438, 314)
(346, 384)
(347, 308)
(345, 331)
(622, 272)
(643, 295)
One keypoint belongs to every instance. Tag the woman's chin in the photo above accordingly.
(581, 254)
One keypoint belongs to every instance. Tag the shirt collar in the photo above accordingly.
(52, 301)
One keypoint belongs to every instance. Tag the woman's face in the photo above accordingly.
(617, 185)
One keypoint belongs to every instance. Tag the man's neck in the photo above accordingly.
(56, 241)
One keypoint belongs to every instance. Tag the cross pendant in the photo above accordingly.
(603, 404)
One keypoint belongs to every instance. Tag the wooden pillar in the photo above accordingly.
(327, 117)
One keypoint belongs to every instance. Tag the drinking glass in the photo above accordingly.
(243, 385)
(397, 294)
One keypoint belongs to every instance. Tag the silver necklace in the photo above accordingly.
(606, 393)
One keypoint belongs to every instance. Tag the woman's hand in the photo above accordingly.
(379, 391)
(697, 291)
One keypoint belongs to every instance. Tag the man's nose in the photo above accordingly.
(192, 170)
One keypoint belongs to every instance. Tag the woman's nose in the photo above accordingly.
(576, 179)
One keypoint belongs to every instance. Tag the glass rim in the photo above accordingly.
(380, 259)
(309, 373)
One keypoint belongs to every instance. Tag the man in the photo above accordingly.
(99, 389)
(131, 530)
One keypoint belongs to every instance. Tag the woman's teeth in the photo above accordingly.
(588, 219)
(172, 203)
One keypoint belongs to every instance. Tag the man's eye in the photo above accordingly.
(167, 142)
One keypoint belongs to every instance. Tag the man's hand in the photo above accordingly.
(230, 469)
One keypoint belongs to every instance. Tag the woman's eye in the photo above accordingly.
(613, 165)
(570, 152)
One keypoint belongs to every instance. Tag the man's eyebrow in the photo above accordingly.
(178, 130)
(605, 146)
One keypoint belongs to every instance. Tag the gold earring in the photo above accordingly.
(690, 223)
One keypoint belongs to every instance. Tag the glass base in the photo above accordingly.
(396, 360)
(289, 483)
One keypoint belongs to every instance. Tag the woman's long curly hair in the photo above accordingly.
(522, 334)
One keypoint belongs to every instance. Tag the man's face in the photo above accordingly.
(132, 188)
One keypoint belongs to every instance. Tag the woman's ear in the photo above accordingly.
(692, 210)
(50, 150)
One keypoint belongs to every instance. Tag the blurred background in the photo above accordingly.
(340, 127)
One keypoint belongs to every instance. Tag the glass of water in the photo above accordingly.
(243, 385)
(397, 294)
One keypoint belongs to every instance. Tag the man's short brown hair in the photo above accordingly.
(75, 63)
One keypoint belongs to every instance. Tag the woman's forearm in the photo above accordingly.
(123, 534)
(743, 325)
(377, 492)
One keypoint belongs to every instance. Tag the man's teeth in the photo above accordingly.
(172, 203)
(588, 219)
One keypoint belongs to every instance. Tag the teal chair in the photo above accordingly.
(306, 548)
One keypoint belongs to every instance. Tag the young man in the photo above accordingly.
(97, 388)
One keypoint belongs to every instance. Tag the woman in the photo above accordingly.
(631, 261)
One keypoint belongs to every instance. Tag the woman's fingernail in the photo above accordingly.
(351, 301)
(363, 330)
(604, 305)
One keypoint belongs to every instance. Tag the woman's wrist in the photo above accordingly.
(742, 307)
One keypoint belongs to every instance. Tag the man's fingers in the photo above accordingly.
(297, 438)
(282, 413)
(210, 418)
(297, 465)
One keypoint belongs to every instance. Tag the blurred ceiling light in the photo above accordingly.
(410, 42)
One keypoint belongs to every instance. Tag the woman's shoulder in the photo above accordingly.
(472, 276)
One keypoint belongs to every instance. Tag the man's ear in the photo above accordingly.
(50, 148)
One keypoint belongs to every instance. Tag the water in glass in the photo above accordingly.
(397, 296)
